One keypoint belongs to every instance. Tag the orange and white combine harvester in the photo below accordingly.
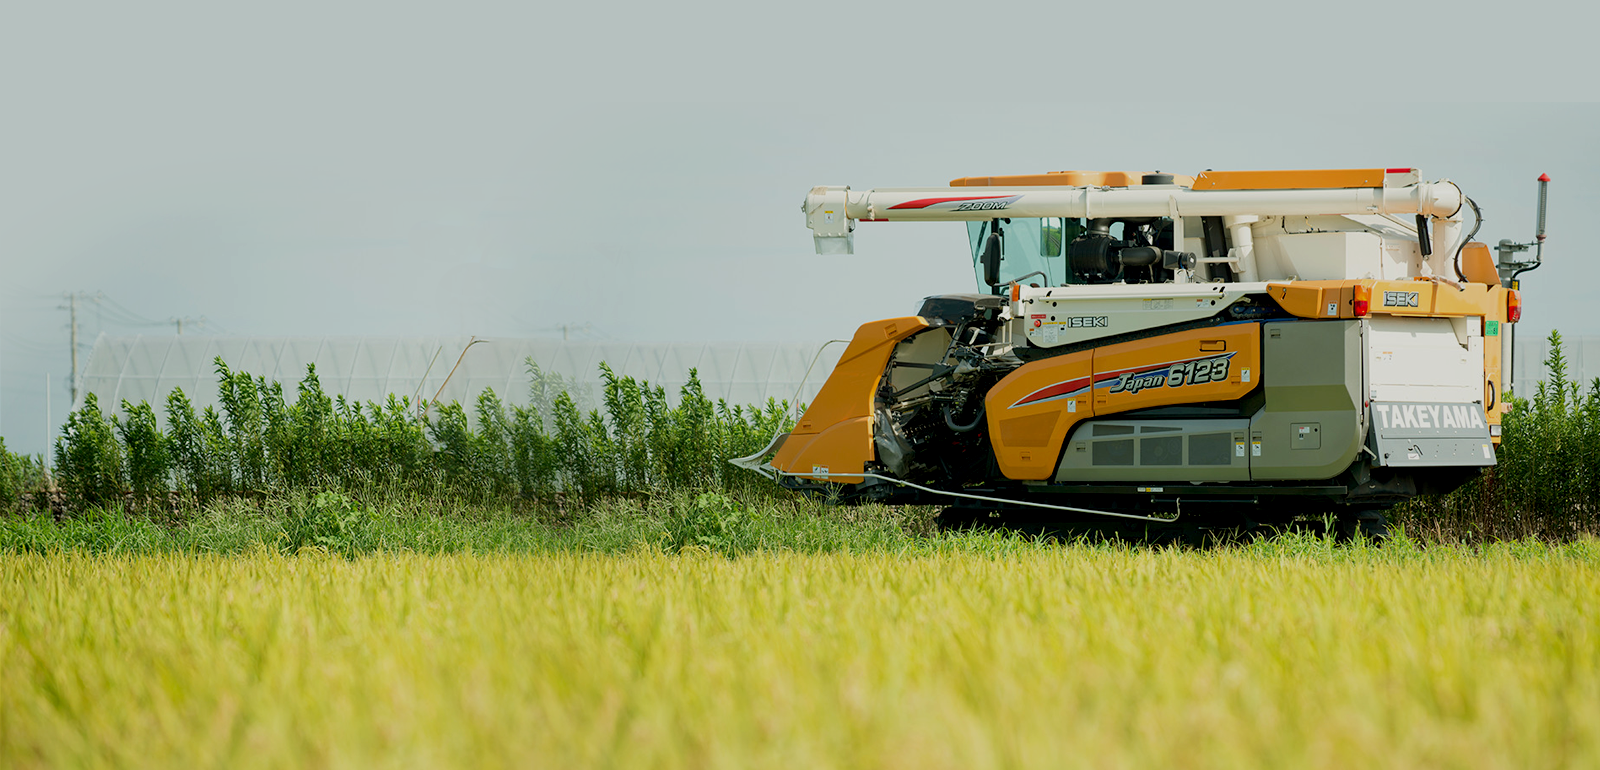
(1238, 347)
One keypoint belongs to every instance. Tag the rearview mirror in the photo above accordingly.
(1050, 236)
(991, 259)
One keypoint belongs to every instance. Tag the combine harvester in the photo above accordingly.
(1239, 348)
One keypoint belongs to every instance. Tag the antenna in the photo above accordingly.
(1544, 190)
(1511, 265)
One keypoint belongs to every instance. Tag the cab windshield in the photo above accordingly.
(1033, 245)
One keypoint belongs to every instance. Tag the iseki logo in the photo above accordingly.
(1087, 321)
(1399, 299)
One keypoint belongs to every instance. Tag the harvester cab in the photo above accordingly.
(1237, 344)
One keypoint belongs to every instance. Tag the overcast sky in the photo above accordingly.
(500, 169)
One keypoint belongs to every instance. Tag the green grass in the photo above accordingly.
(932, 651)
(337, 523)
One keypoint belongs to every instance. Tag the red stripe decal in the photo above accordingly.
(922, 203)
(1052, 391)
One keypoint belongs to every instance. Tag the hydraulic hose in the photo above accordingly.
(1477, 222)
(949, 422)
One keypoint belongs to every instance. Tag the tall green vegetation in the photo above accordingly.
(261, 444)
(552, 450)
(19, 475)
(89, 457)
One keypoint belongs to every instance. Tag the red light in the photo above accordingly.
(1513, 306)
(1397, 170)
(1362, 300)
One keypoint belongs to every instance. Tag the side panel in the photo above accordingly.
(1066, 315)
(1221, 363)
(1431, 360)
(1311, 299)
(1154, 449)
(1030, 412)
(1494, 325)
(1315, 299)
(835, 433)
(1324, 256)
(1312, 425)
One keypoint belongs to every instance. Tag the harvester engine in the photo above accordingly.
(1142, 255)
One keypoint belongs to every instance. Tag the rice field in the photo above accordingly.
(969, 652)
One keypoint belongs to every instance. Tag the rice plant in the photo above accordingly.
(966, 652)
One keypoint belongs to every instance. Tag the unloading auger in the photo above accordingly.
(1238, 346)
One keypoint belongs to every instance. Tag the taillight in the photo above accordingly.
(1363, 300)
(1513, 306)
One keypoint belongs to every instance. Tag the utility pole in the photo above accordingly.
(73, 305)
(566, 330)
(178, 323)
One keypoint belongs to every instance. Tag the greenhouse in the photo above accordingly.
(147, 368)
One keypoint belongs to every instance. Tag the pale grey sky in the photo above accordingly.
(501, 168)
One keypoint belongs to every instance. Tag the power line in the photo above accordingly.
(122, 315)
(28, 345)
(119, 315)
(119, 306)
(571, 331)
(207, 324)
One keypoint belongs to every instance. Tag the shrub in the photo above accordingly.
(19, 475)
(241, 409)
(330, 520)
(713, 521)
(1547, 480)
(149, 464)
(89, 457)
